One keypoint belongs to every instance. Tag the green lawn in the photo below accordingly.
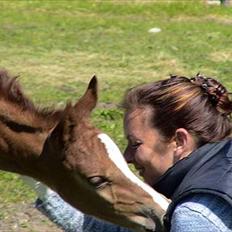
(56, 46)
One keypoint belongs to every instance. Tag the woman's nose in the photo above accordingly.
(128, 155)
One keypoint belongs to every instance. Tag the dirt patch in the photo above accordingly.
(23, 217)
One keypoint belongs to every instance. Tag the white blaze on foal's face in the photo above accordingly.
(116, 156)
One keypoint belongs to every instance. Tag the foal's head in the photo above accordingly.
(90, 173)
(62, 149)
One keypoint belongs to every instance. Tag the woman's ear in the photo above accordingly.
(184, 143)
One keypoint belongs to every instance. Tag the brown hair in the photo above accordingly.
(200, 104)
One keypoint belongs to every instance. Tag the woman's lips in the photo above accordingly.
(141, 171)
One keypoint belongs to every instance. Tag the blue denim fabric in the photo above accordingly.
(202, 213)
(198, 213)
(61, 213)
(92, 224)
(72, 220)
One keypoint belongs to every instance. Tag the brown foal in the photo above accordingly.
(63, 150)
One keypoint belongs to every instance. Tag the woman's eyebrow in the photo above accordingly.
(130, 136)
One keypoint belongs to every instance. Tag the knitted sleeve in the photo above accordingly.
(202, 212)
(70, 219)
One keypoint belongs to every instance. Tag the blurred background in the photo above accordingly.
(56, 46)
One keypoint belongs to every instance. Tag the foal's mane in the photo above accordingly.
(10, 91)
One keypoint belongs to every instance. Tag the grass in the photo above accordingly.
(56, 46)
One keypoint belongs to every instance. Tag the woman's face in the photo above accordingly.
(146, 148)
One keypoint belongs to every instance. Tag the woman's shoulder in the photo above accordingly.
(202, 212)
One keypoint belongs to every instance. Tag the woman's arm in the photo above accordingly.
(64, 215)
(202, 212)
(71, 219)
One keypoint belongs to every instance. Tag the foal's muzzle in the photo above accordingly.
(153, 221)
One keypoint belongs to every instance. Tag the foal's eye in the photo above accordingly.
(135, 145)
(98, 181)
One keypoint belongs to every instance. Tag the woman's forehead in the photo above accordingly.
(141, 114)
(137, 120)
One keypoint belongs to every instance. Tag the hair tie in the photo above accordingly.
(211, 87)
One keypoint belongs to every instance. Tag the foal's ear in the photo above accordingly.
(89, 100)
(62, 131)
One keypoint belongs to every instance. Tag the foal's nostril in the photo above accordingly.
(154, 220)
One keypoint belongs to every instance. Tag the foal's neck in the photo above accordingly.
(22, 136)
(24, 129)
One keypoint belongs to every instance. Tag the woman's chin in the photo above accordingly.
(149, 180)
(141, 172)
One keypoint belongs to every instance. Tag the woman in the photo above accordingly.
(178, 133)
(173, 129)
